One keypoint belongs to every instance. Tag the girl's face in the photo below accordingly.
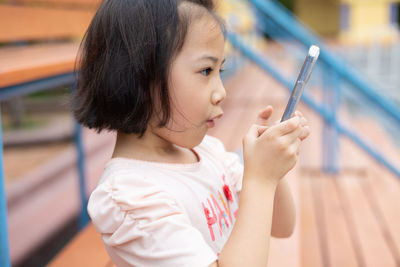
(196, 89)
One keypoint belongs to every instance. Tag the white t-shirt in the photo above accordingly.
(161, 214)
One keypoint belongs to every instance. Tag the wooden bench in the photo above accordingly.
(39, 40)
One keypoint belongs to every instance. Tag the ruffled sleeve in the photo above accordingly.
(231, 161)
(142, 225)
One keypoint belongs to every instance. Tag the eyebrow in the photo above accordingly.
(213, 59)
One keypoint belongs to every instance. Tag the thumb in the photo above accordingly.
(263, 115)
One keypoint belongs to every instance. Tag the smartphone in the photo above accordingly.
(301, 81)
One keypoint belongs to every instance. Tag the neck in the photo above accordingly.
(127, 144)
(151, 147)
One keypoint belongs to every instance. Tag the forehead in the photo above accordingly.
(204, 37)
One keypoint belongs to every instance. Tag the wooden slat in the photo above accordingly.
(285, 252)
(86, 249)
(79, 3)
(310, 248)
(339, 246)
(383, 191)
(21, 23)
(22, 64)
(374, 248)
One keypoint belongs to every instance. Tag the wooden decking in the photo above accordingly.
(349, 221)
(84, 250)
(352, 219)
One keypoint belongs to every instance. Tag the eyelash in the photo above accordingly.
(210, 70)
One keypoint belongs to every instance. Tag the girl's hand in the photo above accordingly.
(265, 114)
(271, 151)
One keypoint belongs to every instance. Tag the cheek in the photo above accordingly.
(189, 98)
(188, 110)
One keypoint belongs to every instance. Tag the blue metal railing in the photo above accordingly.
(289, 23)
(24, 89)
(339, 70)
(327, 115)
(84, 216)
(4, 252)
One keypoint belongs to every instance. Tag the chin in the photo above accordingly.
(190, 142)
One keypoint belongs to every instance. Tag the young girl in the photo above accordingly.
(169, 196)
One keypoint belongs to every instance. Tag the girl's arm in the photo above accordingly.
(284, 214)
(269, 153)
(248, 244)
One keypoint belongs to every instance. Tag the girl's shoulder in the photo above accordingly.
(122, 193)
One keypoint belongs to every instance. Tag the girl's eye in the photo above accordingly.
(206, 71)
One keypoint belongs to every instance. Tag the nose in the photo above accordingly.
(219, 94)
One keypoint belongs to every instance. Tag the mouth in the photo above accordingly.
(211, 123)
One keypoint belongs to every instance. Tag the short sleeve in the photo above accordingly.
(231, 161)
(142, 225)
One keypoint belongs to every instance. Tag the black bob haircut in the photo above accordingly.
(124, 62)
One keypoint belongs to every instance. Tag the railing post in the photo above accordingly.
(83, 217)
(4, 248)
(330, 137)
(320, 109)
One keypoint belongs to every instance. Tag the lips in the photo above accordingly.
(217, 117)
(211, 123)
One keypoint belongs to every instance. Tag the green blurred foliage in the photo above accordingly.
(27, 122)
(62, 91)
(289, 4)
(398, 13)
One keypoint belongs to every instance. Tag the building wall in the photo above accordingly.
(368, 20)
(320, 15)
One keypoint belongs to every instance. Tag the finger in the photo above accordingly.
(253, 131)
(276, 122)
(262, 129)
(292, 136)
(296, 146)
(303, 121)
(263, 115)
(304, 133)
(284, 127)
(256, 130)
(298, 113)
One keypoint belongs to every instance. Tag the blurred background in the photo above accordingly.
(346, 183)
